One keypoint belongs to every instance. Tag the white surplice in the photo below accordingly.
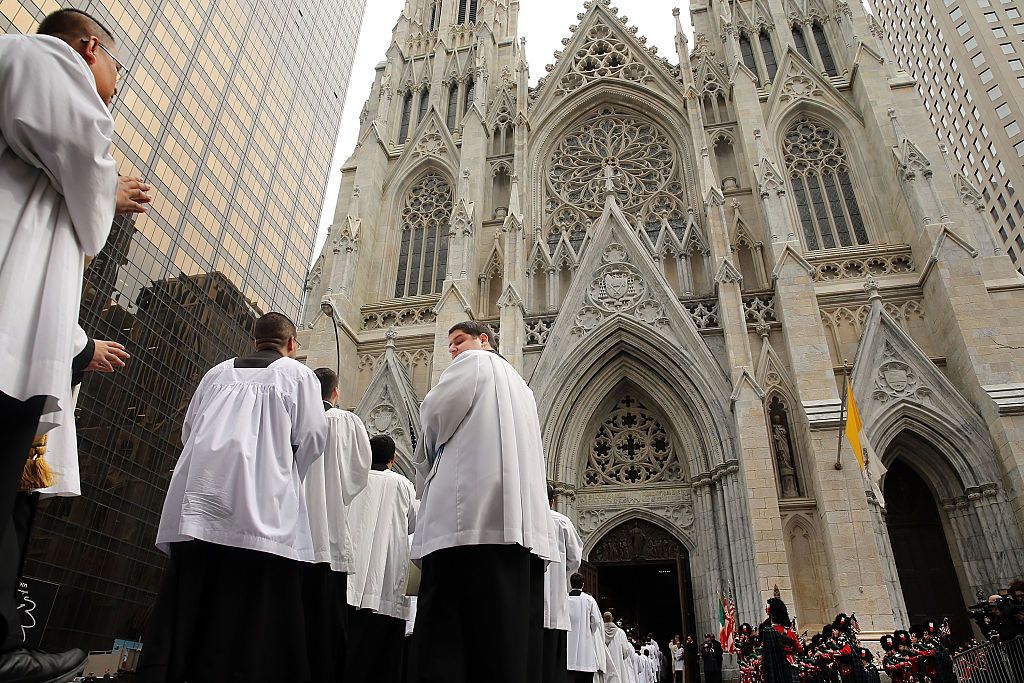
(58, 185)
(586, 625)
(556, 575)
(646, 673)
(62, 441)
(480, 463)
(381, 518)
(332, 483)
(250, 435)
(620, 652)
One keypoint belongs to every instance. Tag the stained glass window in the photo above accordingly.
(424, 102)
(423, 250)
(819, 172)
(453, 105)
(747, 50)
(470, 94)
(801, 42)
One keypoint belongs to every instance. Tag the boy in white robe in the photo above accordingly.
(556, 594)
(331, 484)
(381, 518)
(234, 522)
(58, 183)
(483, 530)
(585, 619)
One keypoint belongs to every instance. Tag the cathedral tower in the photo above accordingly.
(681, 256)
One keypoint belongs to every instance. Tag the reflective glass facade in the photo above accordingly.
(230, 109)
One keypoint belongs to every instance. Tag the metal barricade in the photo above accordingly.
(991, 663)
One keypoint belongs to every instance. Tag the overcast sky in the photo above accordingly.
(542, 22)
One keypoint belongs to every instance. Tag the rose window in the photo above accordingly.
(631, 447)
(637, 150)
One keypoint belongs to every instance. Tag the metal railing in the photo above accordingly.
(991, 663)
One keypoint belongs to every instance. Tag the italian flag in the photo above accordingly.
(726, 624)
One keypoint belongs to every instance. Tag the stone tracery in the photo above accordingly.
(631, 447)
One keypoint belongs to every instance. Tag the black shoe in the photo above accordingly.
(35, 666)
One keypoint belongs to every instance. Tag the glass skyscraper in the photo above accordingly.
(230, 109)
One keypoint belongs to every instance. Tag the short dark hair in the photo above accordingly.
(576, 581)
(274, 329)
(328, 382)
(473, 329)
(72, 23)
(382, 447)
(551, 493)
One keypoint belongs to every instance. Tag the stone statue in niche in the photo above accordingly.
(782, 445)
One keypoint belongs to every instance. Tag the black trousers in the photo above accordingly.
(581, 676)
(228, 615)
(18, 423)
(556, 645)
(376, 642)
(480, 615)
(325, 603)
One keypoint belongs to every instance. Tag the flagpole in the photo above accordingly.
(842, 415)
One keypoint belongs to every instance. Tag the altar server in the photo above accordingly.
(381, 519)
(556, 594)
(620, 652)
(235, 523)
(484, 529)
(585, 619)
(332, 484)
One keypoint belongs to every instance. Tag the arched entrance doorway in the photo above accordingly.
(920, 550)
(641, 573)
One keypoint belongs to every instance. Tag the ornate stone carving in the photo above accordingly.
(782, 446)
(398, 317)
(538, 329)
(799, 85)
(430, 145)
(602, 55)
(618, 287)
(895, 379)
(631, 447)
(637, 540)
(860, 267)
(759, 310)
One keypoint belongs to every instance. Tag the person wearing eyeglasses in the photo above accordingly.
(59, 190)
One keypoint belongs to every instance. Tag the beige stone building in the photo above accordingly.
(680, 256)
(968, 59)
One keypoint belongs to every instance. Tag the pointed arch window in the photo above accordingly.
(403, 126)
(631, 447)
(821, 40)
(768, 52)
(801, 42)
(453, 106)
(747, 52)
(470, 94)
(424, 102)
(423, 252)
(467, 11)
(822, 187)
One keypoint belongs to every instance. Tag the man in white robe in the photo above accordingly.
(583, 658)
(484, 530)
(58, 184)
(381, 519)
(331, 485)
(646, 672)
(620, 651)
(235, 523)
(556, 594)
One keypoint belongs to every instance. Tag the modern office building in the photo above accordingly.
(967, 57)
(230, 109)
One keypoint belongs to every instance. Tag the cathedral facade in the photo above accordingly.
(688, 259)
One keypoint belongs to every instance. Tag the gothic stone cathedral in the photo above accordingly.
(682, 256)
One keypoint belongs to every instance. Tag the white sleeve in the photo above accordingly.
(414, 507)
(443, 410)
(573, 549)
(353, 461)
(195, 405)
(309, 421)
(53, 119)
